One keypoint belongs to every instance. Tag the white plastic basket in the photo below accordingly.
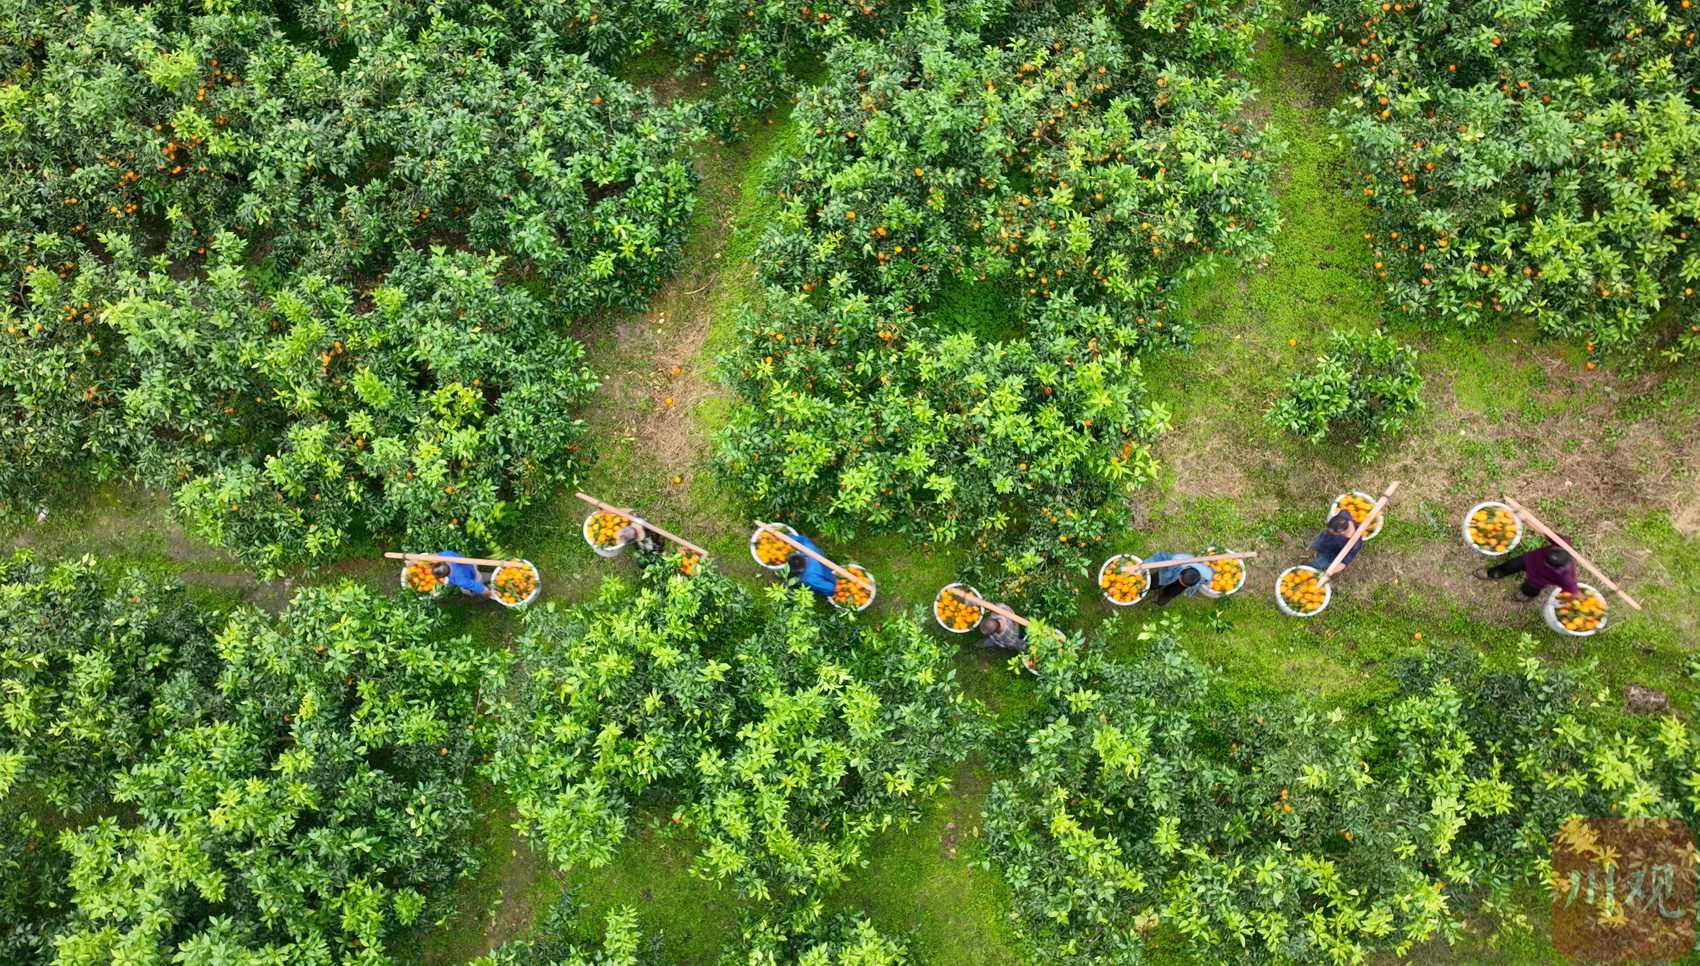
(438, 592)
(1244, 572)
(940, 620)
(1150, 578)
(1550, 612)
(612, 550)
(873, 586)
(1380, 519)
(529, 597)
(756, 535)
(1516, 537)
(1281, 602)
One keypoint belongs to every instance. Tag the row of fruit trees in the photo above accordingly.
(182, 782)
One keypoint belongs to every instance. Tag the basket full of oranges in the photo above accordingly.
(516, 583)
(767, 549)
(1299, 592)
(952, 610)
(1491, 528)
(1358, 504)
(1576, 615)
(1227, 576)
(849, 595)
(1122, 581)
(418, 578)
(602, 531)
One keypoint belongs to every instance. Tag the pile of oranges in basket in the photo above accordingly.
(954, 612)
(1302, 591)
(1492, 528)
(1580, 612)
(1228, 574)
(419, 577)
(1122, 583)
(850, 594)
(603, 529)
(1359, 508)
(514, 584)
(771, 550)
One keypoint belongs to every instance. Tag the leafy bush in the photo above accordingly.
(142, 137)
(1264, 835)
(1054, 170)
(800, 934)
(284, 787)
(1537, 160)
(550, 943)
(1367, 382)
(83, 659)
(781, 741)
(284, 422)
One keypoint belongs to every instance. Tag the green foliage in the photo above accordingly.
(782, 740)
(1536, 159)
(620, 945)
(83, 659)
(1055, 163)
(802, 935)
(304, 806)
(1265, 835)
(137, 330)
(1366, 382)
(286, 788)
(1054, 168)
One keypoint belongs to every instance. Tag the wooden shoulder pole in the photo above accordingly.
(632, 516)
(1558, 541)
(439, 558)
(1369, 518)
(785, 538)
(1156, 565)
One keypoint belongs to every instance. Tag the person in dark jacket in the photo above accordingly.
(806, 571)
(1542, 567)
(1174, 581)
(1002, 633)
(1328, 543)
(464, 576)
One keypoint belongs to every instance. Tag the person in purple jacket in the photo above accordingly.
(1541, 568)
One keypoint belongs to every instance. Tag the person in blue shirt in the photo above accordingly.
(808, 572)
(1328, 543)
(465, 576)
(1174, 581)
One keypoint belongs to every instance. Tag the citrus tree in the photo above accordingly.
(1364, 381)
(140, 145)
(1534, 160)
(1264, 835)
(85, 657)
(1054, 172)
(779, 740)
(302, 805)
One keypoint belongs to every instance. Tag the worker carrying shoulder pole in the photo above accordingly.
(630, 534)
(806, 571)
(1186, 578)
(464, 576)
(1328, 543)
(1542, 567)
